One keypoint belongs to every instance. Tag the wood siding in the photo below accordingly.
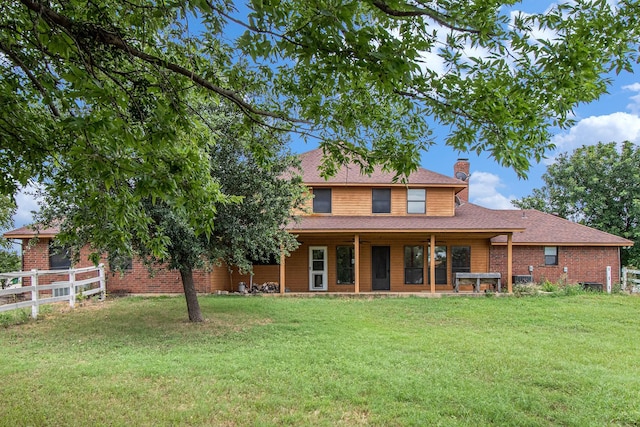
(440, 202)
(297, 265)
(356, 201)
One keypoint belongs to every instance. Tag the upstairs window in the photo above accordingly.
(59, 257)
(381, 200)
(321, 200)
(416, 198)
(550, 255)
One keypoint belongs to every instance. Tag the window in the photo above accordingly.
(416, 198)
(381, 200)
(550, 255)
(61, 292)
(441, 264)
(321, 200)
(120, 262)
(460, 259)
(345, 262)
(414, 265)
(59, 258)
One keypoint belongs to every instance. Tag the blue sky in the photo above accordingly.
(614, 117)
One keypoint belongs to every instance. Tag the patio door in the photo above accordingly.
(380, 268)
(317, 268)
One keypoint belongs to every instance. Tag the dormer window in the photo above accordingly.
(381, 200)
(321, 200)
(416, 198)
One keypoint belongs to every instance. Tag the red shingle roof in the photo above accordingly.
(351, 175)
(29, 231)
(546, 229)
(468, 218)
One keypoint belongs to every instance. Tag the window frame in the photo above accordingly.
(376, 201)
(410, 261)
(414, 201)
(59, 257)
(550, 259)
(350, 268)
(320, 203)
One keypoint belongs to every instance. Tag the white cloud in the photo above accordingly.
(27, 202)
(634, 106)
(616, 127)
(483, 189)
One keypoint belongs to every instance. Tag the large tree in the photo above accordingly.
(597, 185)
(261, 191)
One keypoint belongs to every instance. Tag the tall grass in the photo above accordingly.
(328, 361)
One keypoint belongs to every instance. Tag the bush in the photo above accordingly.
(547, 286)
(525, 289)
(571, 290)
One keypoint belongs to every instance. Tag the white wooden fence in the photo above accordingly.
(630, 280)
(63, 290)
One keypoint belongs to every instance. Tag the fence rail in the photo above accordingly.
(631, 280)
(59, 290)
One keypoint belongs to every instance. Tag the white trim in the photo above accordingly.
(314, 275)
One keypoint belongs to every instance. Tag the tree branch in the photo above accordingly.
(14, 58)
(430, 13)
(109, 38)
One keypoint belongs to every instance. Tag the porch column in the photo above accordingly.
(356, 267)
(282, 268)
(432, 263)
(509, 262)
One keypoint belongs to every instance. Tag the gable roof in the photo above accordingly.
(543, 229)
(351, 175)
(29, 231)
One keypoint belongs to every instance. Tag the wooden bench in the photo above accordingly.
(477, 277)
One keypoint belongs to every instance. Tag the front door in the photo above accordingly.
(380, 263)
(317, 268)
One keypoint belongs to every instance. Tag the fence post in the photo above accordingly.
(624, 278)
(103, 282)
(72, 288)
(608, 279)
(34, 293)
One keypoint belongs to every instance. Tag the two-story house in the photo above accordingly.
(364, 233)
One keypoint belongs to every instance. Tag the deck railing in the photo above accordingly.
(34, 294)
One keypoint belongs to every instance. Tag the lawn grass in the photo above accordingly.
(535, 361)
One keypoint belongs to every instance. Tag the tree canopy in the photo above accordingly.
(101, 97)
(261, 191)
(598, 186)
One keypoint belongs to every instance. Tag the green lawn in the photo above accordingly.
(571, 360)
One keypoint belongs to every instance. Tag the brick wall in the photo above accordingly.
(135, 281)
(584, 264)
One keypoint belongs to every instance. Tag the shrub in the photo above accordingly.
(547, 286)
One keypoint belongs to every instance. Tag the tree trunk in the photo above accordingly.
(193, 306)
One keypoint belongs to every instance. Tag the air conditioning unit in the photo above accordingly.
(522, 279)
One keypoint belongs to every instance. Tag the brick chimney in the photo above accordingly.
(461, 171)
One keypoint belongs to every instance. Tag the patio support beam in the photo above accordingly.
(509, 262)
(356, 267)
(282, 272)
(432, 263)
